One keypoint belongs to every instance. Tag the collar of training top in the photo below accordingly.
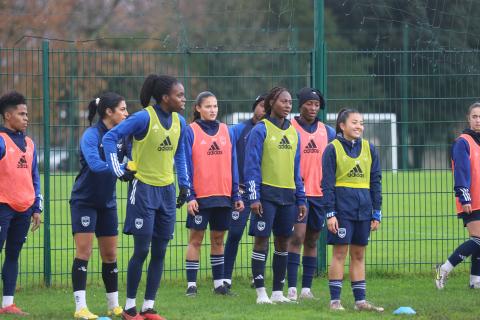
(6, 130)
(473, 134)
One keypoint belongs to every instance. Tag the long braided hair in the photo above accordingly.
(272, 97)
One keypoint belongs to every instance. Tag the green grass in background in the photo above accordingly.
(419, 230)
(418, 292)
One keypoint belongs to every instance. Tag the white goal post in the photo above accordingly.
(384, 138)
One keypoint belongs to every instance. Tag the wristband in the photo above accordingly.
(377, 215)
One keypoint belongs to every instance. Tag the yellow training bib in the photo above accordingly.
(278, 158)
(353, 172)
(153, 156)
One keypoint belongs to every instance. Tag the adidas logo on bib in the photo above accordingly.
(284, 143)
(214, 149)
(356, 172)
(22, 163)
(311, 147)
(166, 145)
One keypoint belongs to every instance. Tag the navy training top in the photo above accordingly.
(95, 184)
(351, 203)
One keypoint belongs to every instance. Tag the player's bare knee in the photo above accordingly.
(281, 244)
(295, 241)
(261, 244)
(195, 243)
(109, 257)
(217, 243)
(340, 256)
(310, 243)
(83, 253)
(474, 229)
(357, 255)
(311, 239)
(340, 253)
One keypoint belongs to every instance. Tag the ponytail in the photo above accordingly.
(92, 110)
(156, 86)
(108, 100)
(147, 90)
(342, 117)
(196, 114)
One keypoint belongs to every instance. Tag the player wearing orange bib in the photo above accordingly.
(466, 172)
(314, 137)
(212, 167)
(20, 198)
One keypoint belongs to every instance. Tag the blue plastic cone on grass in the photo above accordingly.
(104, 318)
(404, 310)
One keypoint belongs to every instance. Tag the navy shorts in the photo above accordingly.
(350, 232)
(238, 220)
(467, 218)
(14, 225)
(315, 218)
(151, 210)
(88, 219)
(217, 217)
(277, 218)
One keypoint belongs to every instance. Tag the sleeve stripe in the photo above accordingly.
(253, 192)
(116, 165)
(134, 191)
(466, 194)
(40, 202)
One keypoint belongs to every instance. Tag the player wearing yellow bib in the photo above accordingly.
(352, 194)
(157, 146)
(275, 188)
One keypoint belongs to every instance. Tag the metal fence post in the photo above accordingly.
(319, 82)
(405, 92)
(295, 62)
(46, 162)
(72, 113)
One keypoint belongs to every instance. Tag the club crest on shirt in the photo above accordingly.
(342, 232)
(261, 225)
(235, 215)
(138, 223)
(223, 141)
(85, 221)
(198, 219)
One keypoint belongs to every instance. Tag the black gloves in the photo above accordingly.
(182, 197)
(129, 175)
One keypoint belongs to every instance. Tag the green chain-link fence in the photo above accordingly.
(414, 104)
(413, 101)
